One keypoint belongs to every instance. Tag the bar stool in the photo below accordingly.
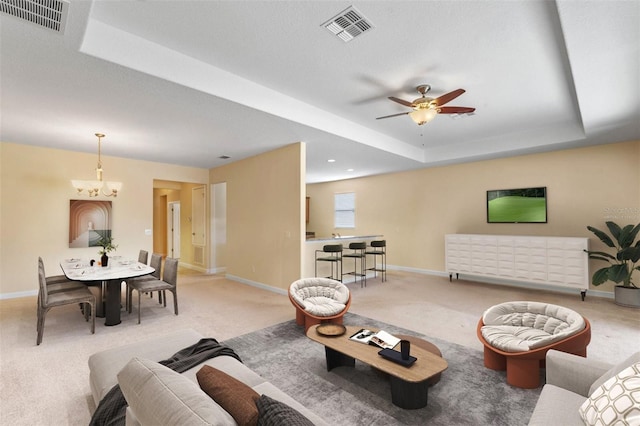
(331, 253)
(379, 248)
(358, 252)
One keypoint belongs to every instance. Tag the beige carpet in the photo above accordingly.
(48, 384)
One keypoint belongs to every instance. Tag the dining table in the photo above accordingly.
(109, 278)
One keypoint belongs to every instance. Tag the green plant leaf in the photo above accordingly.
(614, 229)
(626, 236)
(630, 253)
(600, 255)
(618, 273)
(602, 235)
(600, 276)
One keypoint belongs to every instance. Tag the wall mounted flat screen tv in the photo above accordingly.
(522, 205)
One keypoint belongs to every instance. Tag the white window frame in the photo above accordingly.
(344, 210)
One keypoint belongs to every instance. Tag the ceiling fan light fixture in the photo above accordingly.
(424, 115)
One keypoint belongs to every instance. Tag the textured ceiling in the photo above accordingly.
(186, 82)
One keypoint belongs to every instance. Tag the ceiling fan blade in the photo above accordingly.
(393, 115)
(455, 110)
(401, 101)
(448, 97)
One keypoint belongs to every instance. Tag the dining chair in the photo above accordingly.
(169, 282)
(156, 264)
(48, 300)
(143, 257)
(57, 283)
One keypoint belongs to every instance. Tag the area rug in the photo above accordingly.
(467, 394)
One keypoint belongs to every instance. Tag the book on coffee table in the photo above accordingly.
(381, 338)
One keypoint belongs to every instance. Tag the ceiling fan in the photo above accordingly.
(425, 109)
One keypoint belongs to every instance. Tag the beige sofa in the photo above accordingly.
(175, 398)
(573, 380)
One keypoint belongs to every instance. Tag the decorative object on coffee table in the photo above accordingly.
(331, 329)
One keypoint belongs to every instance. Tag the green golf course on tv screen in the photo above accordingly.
(522, 205)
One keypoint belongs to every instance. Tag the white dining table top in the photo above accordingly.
(117, 269)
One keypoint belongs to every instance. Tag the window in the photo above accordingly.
(345, 210)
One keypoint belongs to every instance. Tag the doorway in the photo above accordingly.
(218, 227)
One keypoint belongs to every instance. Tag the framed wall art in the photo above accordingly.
(89, 222)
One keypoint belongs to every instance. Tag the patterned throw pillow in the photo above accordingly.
(616, 401)
(275, 413)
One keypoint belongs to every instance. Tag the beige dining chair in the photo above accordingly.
(156, 264)
(57, 283)
(169, 282)
(48, 300)
(143, 257)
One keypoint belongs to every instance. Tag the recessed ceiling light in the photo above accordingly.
(331, 160)
(349, 170)
(224, 157)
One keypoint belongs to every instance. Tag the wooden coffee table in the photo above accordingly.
(409, 385)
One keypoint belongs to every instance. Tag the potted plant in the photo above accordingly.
(622, 263)
(107, 246)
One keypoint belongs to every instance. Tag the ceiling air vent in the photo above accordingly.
(51, 14)
(348, 24)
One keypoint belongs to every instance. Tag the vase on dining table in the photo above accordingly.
(104, 260)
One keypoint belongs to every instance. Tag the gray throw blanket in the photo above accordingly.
(113, 407)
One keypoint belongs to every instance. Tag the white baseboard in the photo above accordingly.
(192, 267)
(257, 284)
(538, 286)
(503, 282)
(18, 294)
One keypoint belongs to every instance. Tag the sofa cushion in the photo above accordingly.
(557, 406)
(524, 325)
(616, 401)
(231, 394)
(323, 306)
(158, 395)
(232, 367)
(105, 365)
(319, 287)
(614, 370)
(276, 413)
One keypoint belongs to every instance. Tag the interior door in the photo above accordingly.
(198, 226)
(173, 229)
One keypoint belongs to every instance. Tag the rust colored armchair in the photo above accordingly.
(319, 300)
(517, 335)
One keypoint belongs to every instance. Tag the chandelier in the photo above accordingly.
(94, 187)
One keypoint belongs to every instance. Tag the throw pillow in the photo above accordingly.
(275, 413)
(158, 395)
(614, 370)
(232, 395)
(616, 401)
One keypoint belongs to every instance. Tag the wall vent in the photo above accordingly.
(348, 24)
(51, 14)
(198, 255)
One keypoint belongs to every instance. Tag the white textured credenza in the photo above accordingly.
(555, 261)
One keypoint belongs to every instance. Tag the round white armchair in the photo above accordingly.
(319, 300)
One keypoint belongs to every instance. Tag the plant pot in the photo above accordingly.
(104, 260)
(627, 296)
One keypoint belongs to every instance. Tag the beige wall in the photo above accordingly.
(265, 216)
(414, 210)
(35, 190)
